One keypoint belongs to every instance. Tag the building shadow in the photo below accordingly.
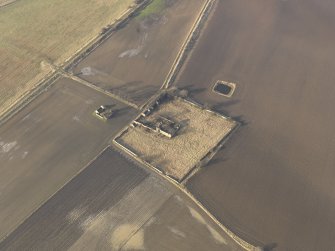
(270, 247)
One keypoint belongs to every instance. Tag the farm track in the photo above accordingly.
(66, 74)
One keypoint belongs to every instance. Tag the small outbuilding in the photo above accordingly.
(104, 112)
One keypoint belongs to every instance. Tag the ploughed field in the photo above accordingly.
(116, 205)
(37, 32)
(273, 181)
(134, 62)
(47, 143)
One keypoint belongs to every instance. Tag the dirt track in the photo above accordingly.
(273, 182)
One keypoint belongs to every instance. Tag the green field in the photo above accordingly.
(34, 32)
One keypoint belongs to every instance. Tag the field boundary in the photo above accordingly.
(188, 44)
(27, 98)
(98, 89)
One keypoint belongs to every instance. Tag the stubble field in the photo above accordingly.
(37, 32)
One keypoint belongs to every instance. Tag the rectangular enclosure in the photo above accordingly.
(175, 155)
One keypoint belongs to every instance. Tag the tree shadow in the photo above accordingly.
(226, 104)
(270, 247)
(193, 90)
(120, 112)
(240, 119)
(197, 90)
(215, 161)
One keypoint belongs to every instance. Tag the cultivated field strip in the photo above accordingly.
(75, 209)
(118, 224)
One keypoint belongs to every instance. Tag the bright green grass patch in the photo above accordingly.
(155, 7)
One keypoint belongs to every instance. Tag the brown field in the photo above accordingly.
(37, 32)
(201, 131)
(180, 225)
(115, 205)
(134, 62)
(47, 143)
(274, 181)
(6, 2)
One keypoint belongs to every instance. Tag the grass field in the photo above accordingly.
(36, 31)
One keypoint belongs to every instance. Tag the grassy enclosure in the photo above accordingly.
(37, 32)
(176, 156)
